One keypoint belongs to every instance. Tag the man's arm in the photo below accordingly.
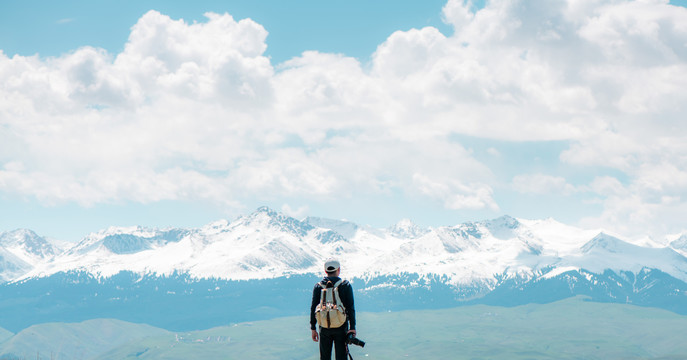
(349, 303)
(315, 300)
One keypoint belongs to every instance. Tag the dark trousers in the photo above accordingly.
(336, 337)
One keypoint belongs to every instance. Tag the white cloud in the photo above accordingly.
(605, 149)
(493, 152)
(542, 184)
(457, 13)
(456, 195)
(197, 111)
(298, 213)
(634, 215)
(608, 186)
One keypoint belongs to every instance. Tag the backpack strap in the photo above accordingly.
(323, 295)
(336, 293)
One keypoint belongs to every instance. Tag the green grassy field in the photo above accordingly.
(569, 329)
(82, 340)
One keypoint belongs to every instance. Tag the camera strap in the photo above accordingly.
(348, 352)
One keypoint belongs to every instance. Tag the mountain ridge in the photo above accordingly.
(267, 243)
(263, 265)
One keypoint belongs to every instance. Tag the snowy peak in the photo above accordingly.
(29, 243)
(129, 244)
(265, 217)
(29, 247)
(484, 235)
(503, 228)
(216, 227)
(607, 243)
(606, 252)
(406, 229)
(11, 266)
(21, 250)
(680, 244)
(128, 240)
(344, 228)
(459, 238)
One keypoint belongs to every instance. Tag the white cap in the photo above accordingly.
(331, 265)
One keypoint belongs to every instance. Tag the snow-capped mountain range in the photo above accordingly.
(22, 250)
(268, 244)
(263, 265)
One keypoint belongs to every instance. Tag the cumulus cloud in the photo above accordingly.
(456, 195)
(608, 186)
(296, 213)
(197, 111)
(542, 184)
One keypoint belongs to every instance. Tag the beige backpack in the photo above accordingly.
(330, 312)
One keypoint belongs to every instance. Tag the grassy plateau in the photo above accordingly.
(570, 329)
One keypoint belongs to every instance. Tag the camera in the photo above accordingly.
(351, 339)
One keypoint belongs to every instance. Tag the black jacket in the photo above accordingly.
(345, 294)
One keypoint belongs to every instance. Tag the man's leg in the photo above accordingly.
(339, 337)
(326, 340)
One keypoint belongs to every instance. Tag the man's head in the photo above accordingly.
(332, 267)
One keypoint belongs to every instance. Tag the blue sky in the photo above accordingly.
(161, 113)
(354, 28)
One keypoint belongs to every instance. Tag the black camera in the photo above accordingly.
(351, 339)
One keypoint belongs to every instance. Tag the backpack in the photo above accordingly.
(330, 312)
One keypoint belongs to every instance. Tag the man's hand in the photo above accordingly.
(315, 336)
(352, 332)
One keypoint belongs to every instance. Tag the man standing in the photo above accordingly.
(333, 336)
